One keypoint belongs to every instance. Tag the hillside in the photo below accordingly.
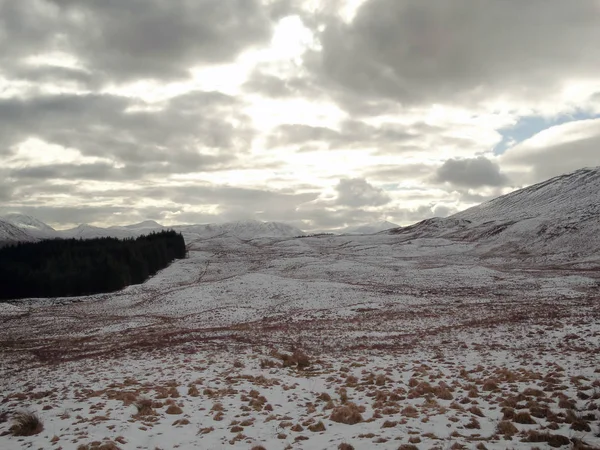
(557, 219)
(369, 228)
(11, 233)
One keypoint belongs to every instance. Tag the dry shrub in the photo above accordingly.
(408, 447)
(193, 391)
(473, 424)
(348, 414)
(320, 426)
(410, 411)
(475, 410)
(389, 424)
(508, 413)
(553, 440)
(298, 358)
(457, 446)
(524, 417)
(380, 380)
(97, 445)
(541, 412)
(26, 423)
(490, 385)
(530, 392)
(344, 446)
(174, 409)
(267, 363)
(144, 406)
(506, 428)
(580, 424)
(324, 396)
(258, 447)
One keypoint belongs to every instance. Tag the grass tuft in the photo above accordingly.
(26, 423)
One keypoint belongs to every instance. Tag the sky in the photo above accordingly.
(320, 113)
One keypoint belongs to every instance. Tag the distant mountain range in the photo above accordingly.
(370, 228)
(559, 217)
(19, 227)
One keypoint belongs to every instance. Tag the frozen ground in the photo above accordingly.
(436, 346)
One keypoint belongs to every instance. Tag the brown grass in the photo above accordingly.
(553, 440)
(348, 414)
(320, 426)
(144, 406)
(344, 446)
(524, 417)
(174, 409)
(97, 445)
(408, 447)
(26, 423)
(506, 428)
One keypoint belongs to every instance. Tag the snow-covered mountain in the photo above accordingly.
(145, 225)
(369, 228)
(23, 228)
(11, 233)
(34, 228)
(85, 231)
(559, 217)
(246, 229)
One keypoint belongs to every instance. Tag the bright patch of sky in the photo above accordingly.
(528, 127)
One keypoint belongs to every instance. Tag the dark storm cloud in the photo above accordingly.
(192, 132)
(358, 192)
(473, 172)
(133, 39)
(424, 51)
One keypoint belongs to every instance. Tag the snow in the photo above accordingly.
(439, 317)
(369, 228)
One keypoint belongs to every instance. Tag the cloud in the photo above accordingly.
(433, 51)
(473, 172)
(358, 192)
(134, 39)
(557, 150)
(193, 132)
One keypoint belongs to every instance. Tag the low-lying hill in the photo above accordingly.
(556, 219)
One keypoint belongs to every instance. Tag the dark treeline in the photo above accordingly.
(71, 267)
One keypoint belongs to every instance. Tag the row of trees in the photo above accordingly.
(71, 267)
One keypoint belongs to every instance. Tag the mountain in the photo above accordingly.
(246, 229)
(31, 226)
(369, 228)
(11, 233)
(21, 228)
(146, 225)
(85, 231)
(558, 218)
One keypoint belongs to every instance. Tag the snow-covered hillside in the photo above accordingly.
(11, 233)
(247, 229)
(22, 228)
(33, 228)
(556, 219)
(369, 228)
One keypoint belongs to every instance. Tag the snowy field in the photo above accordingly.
(309, 343)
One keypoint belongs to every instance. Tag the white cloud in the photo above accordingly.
(557, 150)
